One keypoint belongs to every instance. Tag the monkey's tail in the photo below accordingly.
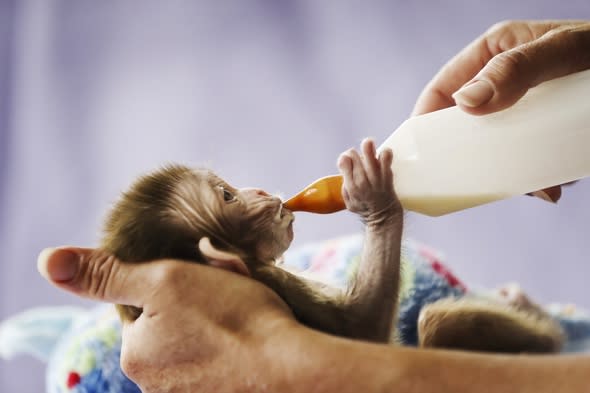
(37, 331)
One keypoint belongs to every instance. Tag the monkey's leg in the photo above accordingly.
(483, 325)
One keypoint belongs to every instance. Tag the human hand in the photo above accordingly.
(181, 345)
(368, 184)
(497, 69)
(191, 332)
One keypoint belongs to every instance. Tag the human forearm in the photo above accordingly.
(348, 366)
(459, 372)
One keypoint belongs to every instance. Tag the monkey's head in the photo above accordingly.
(166, 213)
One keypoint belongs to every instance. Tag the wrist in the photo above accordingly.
(385, 219)
(314, 361)
(292, 358)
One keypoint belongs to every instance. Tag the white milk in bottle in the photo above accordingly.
(449, 160)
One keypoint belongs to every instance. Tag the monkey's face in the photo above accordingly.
(248, 218)
(267, 215)
(166, 213)
(259, 219)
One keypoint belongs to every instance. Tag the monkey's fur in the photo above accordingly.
(484, 325)
(159, 218)
(165, 214)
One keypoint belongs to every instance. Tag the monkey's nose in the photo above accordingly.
(256, 191)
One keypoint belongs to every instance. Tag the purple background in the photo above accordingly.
(268, 93)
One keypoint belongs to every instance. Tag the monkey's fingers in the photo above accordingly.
(94, 274)
(369, 158)
(346, 164)
(385, 160)
(359, 175)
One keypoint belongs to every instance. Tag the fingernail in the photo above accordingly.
(57, 264)
(474, 94)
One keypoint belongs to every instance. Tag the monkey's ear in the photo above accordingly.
(222, 259)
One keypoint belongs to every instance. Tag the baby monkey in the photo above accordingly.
(191, 214)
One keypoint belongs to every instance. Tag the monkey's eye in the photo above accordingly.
(227, 195)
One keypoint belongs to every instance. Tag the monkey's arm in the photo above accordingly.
(374, 290)
(313, 304)
(368, 191)
(366, 310)
(475, 324)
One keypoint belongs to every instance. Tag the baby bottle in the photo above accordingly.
(448, 160)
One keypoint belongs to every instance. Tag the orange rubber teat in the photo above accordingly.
(322, 196)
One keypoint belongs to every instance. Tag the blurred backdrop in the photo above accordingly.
(268, 93)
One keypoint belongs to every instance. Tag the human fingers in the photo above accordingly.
(94, 274)
(510, 74)
(467, 63)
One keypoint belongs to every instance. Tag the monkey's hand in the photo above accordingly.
(368, 191)
(368, 184)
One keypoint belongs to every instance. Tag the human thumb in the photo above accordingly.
(93, 274)
(509, 75)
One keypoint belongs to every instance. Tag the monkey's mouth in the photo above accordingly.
(282, 213)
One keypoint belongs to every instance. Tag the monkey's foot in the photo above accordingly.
(513, 295)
